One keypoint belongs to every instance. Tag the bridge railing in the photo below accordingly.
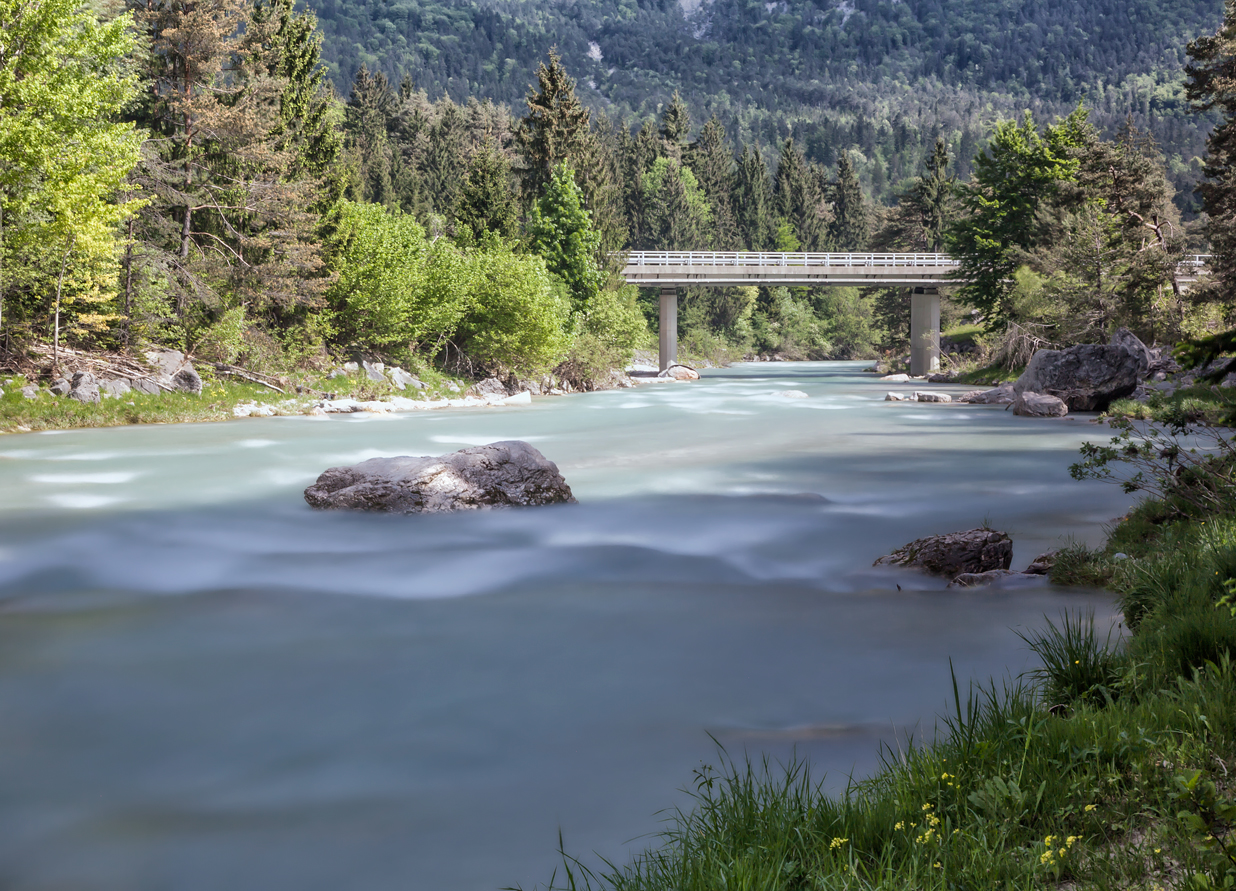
(774, 258)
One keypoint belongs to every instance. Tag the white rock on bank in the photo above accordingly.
(524, 398)
(932, 397)
(896, 378)
(896, 397)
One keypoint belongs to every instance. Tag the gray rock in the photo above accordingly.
(373, 370)
(896, 378)
(940, 377)
(351, 367)
(186, 380)
(501, 474)
(981, 579)
(680, 373)
(1001, 395)
(1130, 341)
(338, 372)
(30, 391)
(85, 388)
(1087, 377)
(491, 386)
(896, 397)
(402, 379)
(173, 371)
(114, 386)
(932, 397)
(61, 388)
(976, 550)
(142, 385)
(1039, 405)
(1042, 564)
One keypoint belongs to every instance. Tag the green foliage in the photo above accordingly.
(65, 159)
(515, 320)
(1015, 178)
(676, 213)
(487, 200)
(560, 231)
(1076, 666)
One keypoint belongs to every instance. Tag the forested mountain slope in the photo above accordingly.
(880, 76)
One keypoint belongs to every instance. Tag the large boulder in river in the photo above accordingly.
(501, 474)
(1090, 376)
(973, 551)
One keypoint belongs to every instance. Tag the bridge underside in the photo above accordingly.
(924, 323)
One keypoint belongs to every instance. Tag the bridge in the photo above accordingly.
(923, 274)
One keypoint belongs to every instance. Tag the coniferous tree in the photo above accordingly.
(487, 200)
(1211, 86)
(675, 125)
(554, 130)
(849, 227)
(753, 201)
(368, 115)
(800, 201)
(712, 162)
(445, 162)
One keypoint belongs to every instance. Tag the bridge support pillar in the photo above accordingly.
(669, 327)
(924, 330)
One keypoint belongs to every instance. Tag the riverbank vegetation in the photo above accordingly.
(213, 196)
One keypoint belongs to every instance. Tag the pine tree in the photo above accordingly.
(555, 129)
(446, 158)
(753, 201)
(370, 109)
(850, 216)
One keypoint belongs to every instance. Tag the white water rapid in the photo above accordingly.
(206, 685)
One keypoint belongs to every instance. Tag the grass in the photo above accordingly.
(1110, 766)
(1215, 405)
(21, 415)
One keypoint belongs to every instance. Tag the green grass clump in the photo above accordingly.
(1212, 405)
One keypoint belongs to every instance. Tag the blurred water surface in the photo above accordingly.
(204, 684)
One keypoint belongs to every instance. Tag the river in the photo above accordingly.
(204, 684)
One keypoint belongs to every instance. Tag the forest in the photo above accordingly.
(183, 174)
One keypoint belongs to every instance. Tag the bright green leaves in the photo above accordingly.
(62, 85)
(397, 291)
(1018, 174)
(560, 230)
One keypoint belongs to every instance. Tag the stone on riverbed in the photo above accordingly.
(501, 474)
(973, 551)
(680, 373)
(85, 388)
(932, 397)
(896, 397)
(1002, 395)
(1039, 405)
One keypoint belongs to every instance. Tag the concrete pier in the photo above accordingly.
(669, 327)
(924, 330)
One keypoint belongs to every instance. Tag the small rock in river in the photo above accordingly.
(976, 550)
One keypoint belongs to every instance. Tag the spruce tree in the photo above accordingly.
(753, 201)
(555, 129)
(712, 162)
(486, 200)
(850, 216)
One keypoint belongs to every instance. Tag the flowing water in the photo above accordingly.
(205, 685)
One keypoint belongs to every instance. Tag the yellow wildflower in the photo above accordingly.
(1072, 839)
(1091, 807)
(838, 842)
(899, 825)
(928, 806)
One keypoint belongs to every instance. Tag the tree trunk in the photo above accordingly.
(128, 286)
(64, 260)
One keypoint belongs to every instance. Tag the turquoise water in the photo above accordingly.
(205, 684)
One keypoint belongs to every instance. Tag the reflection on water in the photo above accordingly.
(204, 684)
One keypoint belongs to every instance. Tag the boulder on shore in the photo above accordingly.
(680, 373)
(173, 371)
(950, 555)
(1039, 405)
(85, 388)
(1090, 376)
(500, 474)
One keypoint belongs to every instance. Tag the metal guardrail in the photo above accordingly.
(763, 259)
